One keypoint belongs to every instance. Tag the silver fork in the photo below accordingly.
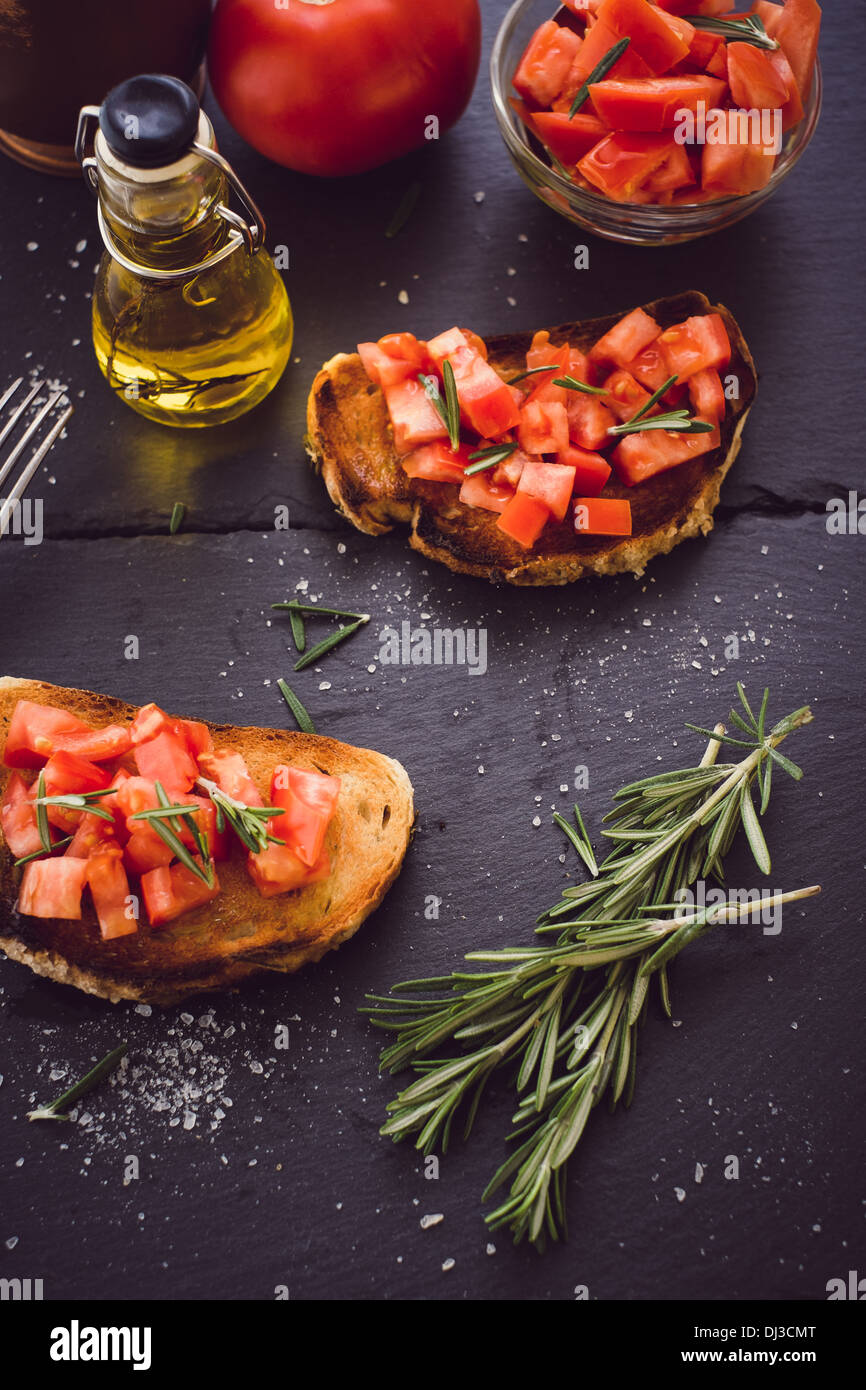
(44, 414)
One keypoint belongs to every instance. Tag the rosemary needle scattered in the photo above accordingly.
(40, 853)
(745, 29)
(53, 1110)
(531, 371)
(301, 715)
(488, 458)
(404, 210)
(571, 383)
(601, 70)
(328, 643)
(178, 512)
(448, 409)
(565, 1016)
(249, 823)
(42, 814)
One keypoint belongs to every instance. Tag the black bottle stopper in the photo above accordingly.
(149, 120)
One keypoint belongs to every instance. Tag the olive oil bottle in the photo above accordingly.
(191, 320)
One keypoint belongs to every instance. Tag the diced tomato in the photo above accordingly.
(659, 44)
(625, 396)
(640, 456)
(278, 869)
(708, 395)
(541, 352)
(197, 736)
(168, 893)
(543, 427)
(92, 833)
(218, 841)
(308, 800)
(36, 731)
(580, 367)
(623, 161)
(18, 818)
(626, 339)
(541, 387)
(567, 138)
(487, 403)
(704, 7)
(136, 794)
(796, 25)
(544, 67)
(166, 759)
(550, 483)
(507, 474)
(394, 358)
(149, 721)
(602, 516)
(144, 850)
(650, 367)
(597, 43)
(676, 172)
(67, 773)
(792, 106)
(753, 79)
(591, 471)
(437, 463)
(109, 803)
(414, 417)
(524, 519)
(109, 888)
(52, 888)
(703, 48)
(589, 420)
(653, 103)
(479, 490)
(736, 166)
(228, 769)
(696, 345)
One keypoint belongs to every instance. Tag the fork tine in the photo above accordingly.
(28, 433)
(18, 412)
(10, 391)
(18, 490)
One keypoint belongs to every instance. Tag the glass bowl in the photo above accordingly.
(637, 223)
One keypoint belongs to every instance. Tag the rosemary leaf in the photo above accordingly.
(570, 383)
(754, 833)
(299, 632)
(745, 29)
(40, 853)
(53, 1110)
(302, 718)
(601, 70)
(404, 210)
(178, 512)
(42, 815)
(452, 405)
(489, 458)
(328, 643)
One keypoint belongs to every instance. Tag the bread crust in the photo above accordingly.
(350, 441)
(240, 933)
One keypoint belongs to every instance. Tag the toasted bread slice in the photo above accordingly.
(349, 438)
(240, 932)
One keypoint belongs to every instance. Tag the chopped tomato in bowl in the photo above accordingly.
(655, 121)
(539, 446)
(137, 815)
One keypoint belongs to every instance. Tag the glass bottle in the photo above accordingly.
(191, 320)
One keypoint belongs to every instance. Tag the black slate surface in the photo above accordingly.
(262, 1168)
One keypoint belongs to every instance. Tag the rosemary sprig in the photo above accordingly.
(565, 1015)
(579, 839)
(74, 801)
(448, 409)
(747, 29)
(601, 70)
(328, 643)
(571, 383)
(679, 420)
(302, 718)
(404, 210)
(53, 1110)
(167, 819)
(655, 397)
(488, 458)
(249, 823)
(178, 512)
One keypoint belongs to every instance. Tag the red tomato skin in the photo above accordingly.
(341, 88)
(640, 456)
(697, 344)
(486, 403)
(524, 519)
(796, 25)
(602, 516)
(18, 818)
(543, 427)
(279, 870)
(541, 73)
(753, 79)
(53, 888)
(653, 104)
(707, 395)
(109, 888)
(620, 163)
(437, 462)
(625, 396)
(92, 833)
(591, 471)
(568, 138)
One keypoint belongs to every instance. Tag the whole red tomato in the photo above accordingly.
(340, 86)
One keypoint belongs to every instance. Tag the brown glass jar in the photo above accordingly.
(58, 55)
